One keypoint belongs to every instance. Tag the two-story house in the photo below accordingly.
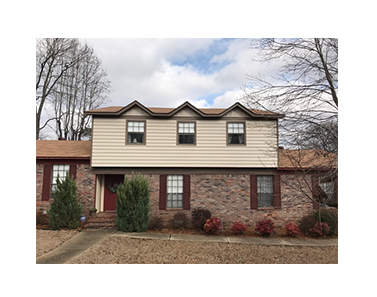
(225, 160)
(221, 159)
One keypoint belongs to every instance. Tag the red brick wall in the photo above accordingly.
(228, 197)
(85, 182)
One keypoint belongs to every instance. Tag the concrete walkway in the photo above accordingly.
(74, 246)
(86, 238)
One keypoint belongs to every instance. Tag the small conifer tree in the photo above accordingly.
(65, 210)
(133, 204)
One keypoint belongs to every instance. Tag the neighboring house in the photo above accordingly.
(57, 157)
(225, 160)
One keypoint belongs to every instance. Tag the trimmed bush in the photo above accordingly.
(265, 227)
(212, 225)
(179, 220)
(155, 223)
(65, 210)
(320, 230)
(132, 204)
(291, 229)
(239, 228)
(329, 216)
(199, 216)
(306, 223)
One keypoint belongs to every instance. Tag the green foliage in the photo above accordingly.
(199, 217)
(133, 204)
(329, 216)
(65, 210)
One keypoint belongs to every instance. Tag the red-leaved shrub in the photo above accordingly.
(238, 228)
(320, 230)
(265, 227)
(212, 225)
(291, 229)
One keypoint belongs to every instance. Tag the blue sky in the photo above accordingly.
(167, 72)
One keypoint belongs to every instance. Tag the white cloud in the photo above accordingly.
(142, 69)
(168, 72)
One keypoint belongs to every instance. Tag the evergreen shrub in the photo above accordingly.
(65, 209)
(132, 204)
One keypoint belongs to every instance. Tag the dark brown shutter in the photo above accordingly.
(315, 191)
(46, 189)
(163, 197)
(72, 171)
(186, 192)
(277, 193)
(253, 192)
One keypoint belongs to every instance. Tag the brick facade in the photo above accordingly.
(228, 197)
(85, 182)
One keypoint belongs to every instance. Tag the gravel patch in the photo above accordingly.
(123, 250)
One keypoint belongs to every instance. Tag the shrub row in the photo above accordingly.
(318, 224)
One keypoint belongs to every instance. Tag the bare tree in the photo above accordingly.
(70, 78)
(82, 87)
(51, 64)
(305, 89)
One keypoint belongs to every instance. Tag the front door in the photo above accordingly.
(110, 191)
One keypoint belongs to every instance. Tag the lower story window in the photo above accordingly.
(58, 171)
(175, 191)
(265, 185)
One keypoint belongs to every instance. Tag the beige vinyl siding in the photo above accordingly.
(161, 149)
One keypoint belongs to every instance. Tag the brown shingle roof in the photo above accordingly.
(305, 159)
(164, 111)
(63, 149)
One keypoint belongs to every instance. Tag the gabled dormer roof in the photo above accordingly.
(169, 112)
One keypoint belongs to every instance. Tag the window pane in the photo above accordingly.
(135, 137)
(265, 190)
(174, 191)
(236, 139)
(135, 126)
(186, 138)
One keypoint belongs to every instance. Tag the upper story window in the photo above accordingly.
(136, 132)
(186, 133)
(236, 133)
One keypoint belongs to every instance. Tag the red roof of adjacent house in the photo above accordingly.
(47, 149)
(305, 159)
